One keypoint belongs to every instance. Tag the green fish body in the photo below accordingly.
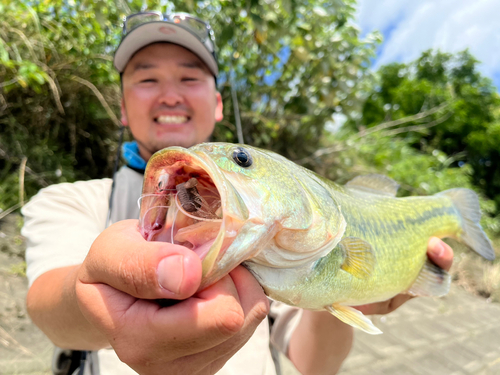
(309, 242)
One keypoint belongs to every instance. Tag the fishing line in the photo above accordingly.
(167, 207)
(151, 195)
(172, 227)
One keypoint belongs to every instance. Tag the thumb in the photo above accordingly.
(121, 258)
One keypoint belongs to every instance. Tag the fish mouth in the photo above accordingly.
(183, 203)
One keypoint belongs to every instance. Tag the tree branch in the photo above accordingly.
(418, 128)
(9, 82)
(9, 211)
(385, 125)
(404, 120)
(99, 96)
(28, 170)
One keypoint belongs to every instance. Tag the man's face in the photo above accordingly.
(169, 98)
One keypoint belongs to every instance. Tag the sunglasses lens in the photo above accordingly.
(196, 26)
(139, 19)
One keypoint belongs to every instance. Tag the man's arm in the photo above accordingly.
(321, 342)
(53, 307)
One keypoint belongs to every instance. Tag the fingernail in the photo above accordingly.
(436, 247)
(171, 272)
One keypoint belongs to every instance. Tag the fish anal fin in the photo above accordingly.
(431, 281)
(375, 184)
(359, 257)
(353, 317)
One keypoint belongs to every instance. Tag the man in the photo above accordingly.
(93, 288)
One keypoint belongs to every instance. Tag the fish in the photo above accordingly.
(308, 241)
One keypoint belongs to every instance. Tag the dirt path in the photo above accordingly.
(23, 348)
(455, 335)
(458, 334)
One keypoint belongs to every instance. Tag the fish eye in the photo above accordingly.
(242, 157)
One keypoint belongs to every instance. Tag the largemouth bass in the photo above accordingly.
(309, 242)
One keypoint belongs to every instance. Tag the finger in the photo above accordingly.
(101, 304)
(255, 305)
(234, 304)
(189, 327)
(122, 258)
(253, 299)
(211, 361)
(219, 362)
(440, 253)
(204, 320)
(245, 305)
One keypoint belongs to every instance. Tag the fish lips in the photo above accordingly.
(169, 166)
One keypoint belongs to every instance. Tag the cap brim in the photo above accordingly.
(154, 32)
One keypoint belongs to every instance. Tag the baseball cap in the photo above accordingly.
(183, 29)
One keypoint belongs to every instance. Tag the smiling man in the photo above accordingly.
(189, 104)
(95, 287)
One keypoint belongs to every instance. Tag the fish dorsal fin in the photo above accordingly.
(359, 256)
(431, 281)
(375, 184)
(353, 317)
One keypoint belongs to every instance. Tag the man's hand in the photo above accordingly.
(439, 253)
(117, 288)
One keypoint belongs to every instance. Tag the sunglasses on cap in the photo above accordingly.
(196, 26)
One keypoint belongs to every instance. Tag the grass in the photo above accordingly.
(18, 269)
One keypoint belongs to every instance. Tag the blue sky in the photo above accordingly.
(410, 27)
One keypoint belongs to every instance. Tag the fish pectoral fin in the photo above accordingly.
(375, 184)
(431, 281)
(353, 317)
(359, 258)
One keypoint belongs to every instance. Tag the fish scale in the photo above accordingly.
(400, 244)
(308, 241)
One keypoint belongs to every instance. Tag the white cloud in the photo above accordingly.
(411, 27)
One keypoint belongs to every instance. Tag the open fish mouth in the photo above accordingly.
(183, 203)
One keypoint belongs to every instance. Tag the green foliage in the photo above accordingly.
(348, 154)
(18, 269)
(50, 58)
(294, 63)
(455, 111)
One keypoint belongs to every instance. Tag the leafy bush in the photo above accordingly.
(59, 95)
(452, 109)
(55, 96)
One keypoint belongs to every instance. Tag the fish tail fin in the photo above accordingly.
(467, 203)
